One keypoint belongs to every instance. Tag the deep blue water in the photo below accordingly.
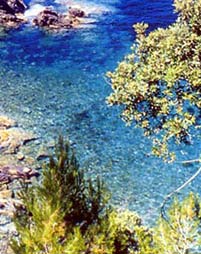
(56, 84)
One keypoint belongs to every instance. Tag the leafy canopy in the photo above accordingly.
(159, 82)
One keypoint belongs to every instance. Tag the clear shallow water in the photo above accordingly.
(56, 84)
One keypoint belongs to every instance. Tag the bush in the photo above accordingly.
(67, 213)
(120, 233)
(180, 234)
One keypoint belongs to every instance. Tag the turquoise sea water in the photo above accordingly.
(56, 84)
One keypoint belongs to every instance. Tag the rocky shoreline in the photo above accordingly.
(15, 164)
(12, 15)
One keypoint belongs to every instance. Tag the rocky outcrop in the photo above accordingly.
(4, 7)
(11, 13)
(76, 13)
(14, 166)
(12, 139)
(18, 6)
(51, 20)
(9, 198)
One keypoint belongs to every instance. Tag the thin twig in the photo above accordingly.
(162, 208)
(191, 161)
(106, 80)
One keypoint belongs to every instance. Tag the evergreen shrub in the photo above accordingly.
(66, 213)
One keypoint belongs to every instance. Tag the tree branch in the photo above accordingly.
(191, 161)
(162, 208)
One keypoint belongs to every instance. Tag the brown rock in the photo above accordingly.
(6, 122)
(51, 143)
(20, 156)
(76, 13)
(9, 10)
(9, 20)
(46, 18)
(4, 179)
(5, 194)
(17, 5)
(29, 160)
(42, 153)
(10, 173)
(51, 20)
(4, 6)
(11, 139)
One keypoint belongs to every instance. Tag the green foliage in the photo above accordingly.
(181, 233)
(62, 205)
(159, 83)
(120, 233)
(67, 213)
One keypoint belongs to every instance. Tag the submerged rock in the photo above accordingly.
(20, 156)
(11, 139)
(9, 173)
(8, 198)
(13, 167)
(43, 153)
(6, 122)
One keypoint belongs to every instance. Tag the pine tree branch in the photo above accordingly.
(168, 197)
